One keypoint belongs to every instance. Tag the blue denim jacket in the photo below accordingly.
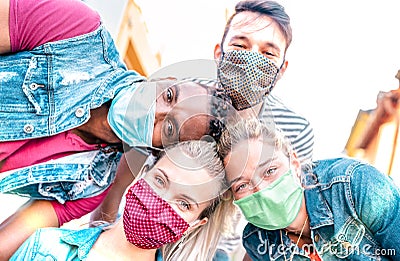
(80, 175)
(52, 88)
(354, 214)
(60, 244)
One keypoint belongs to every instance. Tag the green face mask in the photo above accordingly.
(274, 207)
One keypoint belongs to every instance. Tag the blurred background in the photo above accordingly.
(343, 52)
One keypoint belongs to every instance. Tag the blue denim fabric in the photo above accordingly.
(60, 244)
(52, 88)
(221, 255)
(70, 178)
(354, 213)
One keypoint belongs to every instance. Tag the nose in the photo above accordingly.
(161, 111)
(257, 184)
(255, 48)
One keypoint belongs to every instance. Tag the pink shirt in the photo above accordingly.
(18, 154)
(31, 26)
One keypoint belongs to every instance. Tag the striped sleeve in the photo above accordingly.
(294, 126)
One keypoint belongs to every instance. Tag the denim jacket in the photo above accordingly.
(60, 244)
(52, 88)
(49, 90)
(81, 175)
(354, 214)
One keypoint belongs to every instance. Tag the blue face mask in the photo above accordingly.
(132, 114)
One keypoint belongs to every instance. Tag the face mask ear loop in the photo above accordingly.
(276, 77)
(143, 171)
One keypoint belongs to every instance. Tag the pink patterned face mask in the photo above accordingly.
(149, 221)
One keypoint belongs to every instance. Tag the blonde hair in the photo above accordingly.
(252, 128)
(201, 243)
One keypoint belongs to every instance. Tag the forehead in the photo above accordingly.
(191, 112)
(246, 156)
(261, 27)
(187, 176)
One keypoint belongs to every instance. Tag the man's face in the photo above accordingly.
(182, 113)
(251, 32)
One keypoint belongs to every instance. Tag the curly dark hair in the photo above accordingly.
(221, 109)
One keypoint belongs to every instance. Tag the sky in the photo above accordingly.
(343, 53)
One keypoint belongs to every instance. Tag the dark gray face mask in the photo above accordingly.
(247, 77)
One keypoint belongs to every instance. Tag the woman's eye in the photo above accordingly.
(169, 94)
(241, 187)
(269, 172)
(159, 182)
(183, 205)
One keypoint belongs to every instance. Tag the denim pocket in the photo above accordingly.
(346, 241)
(23, 80)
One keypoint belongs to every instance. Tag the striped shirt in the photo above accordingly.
(295, 127)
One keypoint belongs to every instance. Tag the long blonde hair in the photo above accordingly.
(252, 128)
(201, 243)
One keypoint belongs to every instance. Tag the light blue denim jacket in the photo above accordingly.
(354, 214)
(60, 244)
(50, 90)
(80, 175)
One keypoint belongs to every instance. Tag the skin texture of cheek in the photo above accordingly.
(193, 128)
(156, 140)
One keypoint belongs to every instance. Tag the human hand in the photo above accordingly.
(387, 105)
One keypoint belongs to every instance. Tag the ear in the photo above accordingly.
(282, 70)
(201, 222)
(295, 163)
(144, 170)
(217, 51)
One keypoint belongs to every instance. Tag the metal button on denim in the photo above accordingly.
(79, 112)
(34, 86)
(316, 238)
(28, 128)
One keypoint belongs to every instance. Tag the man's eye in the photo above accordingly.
(183, 205)
(169, 94)
(169, 128)
(238, 46)
(269, 54)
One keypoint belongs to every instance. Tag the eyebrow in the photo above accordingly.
(262, 164)
(239, 37)
(182, 195)
(246, 39)
(177, 89)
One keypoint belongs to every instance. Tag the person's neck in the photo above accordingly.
(97, 129)
(251, 112)
(113, 245)
(301, 221)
